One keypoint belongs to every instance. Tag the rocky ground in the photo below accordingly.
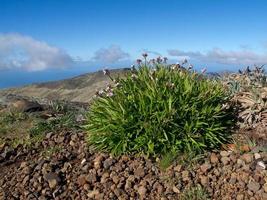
(62, 167)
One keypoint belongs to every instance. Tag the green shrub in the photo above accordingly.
(159, 109)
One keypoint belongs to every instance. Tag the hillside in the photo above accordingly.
(78, 89)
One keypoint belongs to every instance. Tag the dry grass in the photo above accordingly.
(14, 125)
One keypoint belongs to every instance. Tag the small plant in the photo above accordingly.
(167, 160)
(187, 159)
(190, 159)
(49, 152)
(59, 106)
(195, 193)
(40, 127)
(159, 108)
(66, 121)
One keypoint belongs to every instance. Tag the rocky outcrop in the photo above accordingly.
(24, 105)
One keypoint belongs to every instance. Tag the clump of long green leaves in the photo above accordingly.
(157, 109)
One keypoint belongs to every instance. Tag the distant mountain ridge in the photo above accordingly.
(77, 89)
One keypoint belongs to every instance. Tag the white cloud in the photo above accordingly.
(176, 52)
(111, 54)
(217, 55)
(23, 52)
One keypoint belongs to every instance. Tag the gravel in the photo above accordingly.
(75, 172)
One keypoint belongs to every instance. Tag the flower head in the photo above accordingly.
(184, 61)
(108, 88)
(106, 71)
(165, 59)
(190, 67)
(110, 94)
(133, 68)
(247, 70)
(139, 61)
(153, 61)
(117, 84)
(176, 66)
(99, 93)
(159, 60)
(203, 70)
(144, 55)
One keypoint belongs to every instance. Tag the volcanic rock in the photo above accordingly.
(254, 186)
(24, 105)
(52, 179)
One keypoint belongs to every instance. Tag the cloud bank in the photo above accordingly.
(111, 54)
(23, 52)
(217, 55)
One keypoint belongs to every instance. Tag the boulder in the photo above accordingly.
(23, 105)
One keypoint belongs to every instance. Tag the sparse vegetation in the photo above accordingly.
(249, 92)
(29, 128)
(195, 193)
(190, 159)
(167, 160)
(186, 159)
(159, 109)
(59, 106)
(13, 123)
(66, 121)
(51, 151)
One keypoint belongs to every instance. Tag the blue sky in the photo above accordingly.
(54, 39)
